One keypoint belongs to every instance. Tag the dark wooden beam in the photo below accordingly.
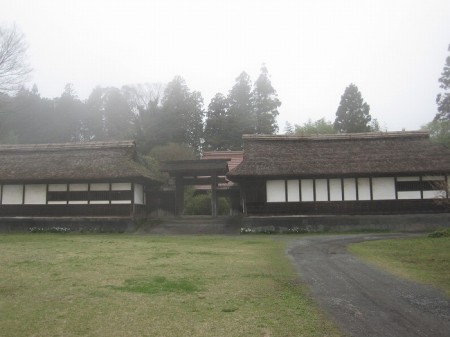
(203, 180)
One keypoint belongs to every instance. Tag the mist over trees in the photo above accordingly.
(155, 116)
(352, 116)
(247, 109)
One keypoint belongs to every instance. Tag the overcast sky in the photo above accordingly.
(393, 50)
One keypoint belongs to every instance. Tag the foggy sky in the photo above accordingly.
(394, 51)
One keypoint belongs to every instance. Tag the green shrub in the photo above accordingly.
(440, 233)
(200, 204)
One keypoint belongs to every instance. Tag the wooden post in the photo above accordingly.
(133, 205)
(179, 195)
(214, 195)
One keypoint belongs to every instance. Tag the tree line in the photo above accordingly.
(158, 116)
(146, 113)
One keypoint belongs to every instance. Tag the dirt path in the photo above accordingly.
(364, 300)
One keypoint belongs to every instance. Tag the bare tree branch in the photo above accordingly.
(14, 68)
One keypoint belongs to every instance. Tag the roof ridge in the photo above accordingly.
(337, 136)
(68, 146)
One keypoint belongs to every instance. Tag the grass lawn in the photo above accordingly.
(124, 285)
(423, 259)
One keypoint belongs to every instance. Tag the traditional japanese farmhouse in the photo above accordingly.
(95, 179)
(366, 173)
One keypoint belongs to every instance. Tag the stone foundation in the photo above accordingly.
(348, 223)
(69, 224)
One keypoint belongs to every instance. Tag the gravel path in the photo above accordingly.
(362, 299)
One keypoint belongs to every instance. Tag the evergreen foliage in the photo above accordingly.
(217, 124)
(146, 113)
(178, 119)
(443, 99)
(319, 127)
(352, 114)
(266, 104)
(247, 109)
(439, 131)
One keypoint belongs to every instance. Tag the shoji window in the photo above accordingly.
(276, 191)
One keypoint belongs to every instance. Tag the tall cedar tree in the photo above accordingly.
(443, 99)
(217, 127)
(266, 104)
(352, 114)
(109, 115)
(241, 117)
(181, 117)
(146, 130)
(243, 111)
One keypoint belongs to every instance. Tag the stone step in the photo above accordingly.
(190, 226)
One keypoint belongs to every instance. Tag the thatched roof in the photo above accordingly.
(341, 155)
(71, 162)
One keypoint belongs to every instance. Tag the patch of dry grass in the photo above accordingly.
(121, 285)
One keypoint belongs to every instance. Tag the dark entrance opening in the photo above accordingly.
(205, 172)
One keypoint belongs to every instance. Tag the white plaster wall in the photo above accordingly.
(57, 187)
(138, 194)
(434, 194)
(408, 178)
(335, 190)
(99, 187)
(433, 178)
(293, 191)
(78, 202)
(99, 202)
(349, 189)
(307, 188)
(437, 194)
(104, 187)
(121, 187)
(275, 190)
(363, 189)
(35, 194)
(321, 190)
(57, 202)
(383, 188)
(78, 187)
(409, 195)
(12, 194)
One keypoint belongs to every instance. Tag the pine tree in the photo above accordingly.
(352, 114)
